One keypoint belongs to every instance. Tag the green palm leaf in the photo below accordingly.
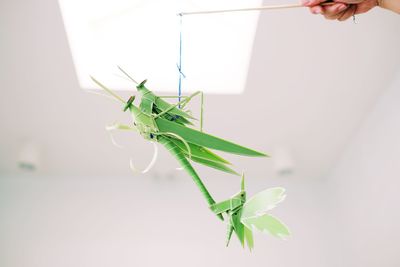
(206, 140)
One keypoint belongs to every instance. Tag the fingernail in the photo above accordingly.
(317, 10)
(341, 8)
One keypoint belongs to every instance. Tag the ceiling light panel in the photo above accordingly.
(142, 37)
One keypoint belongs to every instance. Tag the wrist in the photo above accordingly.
(393, 5)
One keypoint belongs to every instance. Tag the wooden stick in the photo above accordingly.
(246, 9)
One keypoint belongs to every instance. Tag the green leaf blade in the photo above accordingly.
(164, 105)
(199, 152)
(263, 202)
(206, 140)
(214, 165)
(248, 235)
(267, 223)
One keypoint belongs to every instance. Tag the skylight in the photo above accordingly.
(142, 36)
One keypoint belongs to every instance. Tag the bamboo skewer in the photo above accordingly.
(272, 7)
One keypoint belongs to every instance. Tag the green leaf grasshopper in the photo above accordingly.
(159, 121)
(245, 215)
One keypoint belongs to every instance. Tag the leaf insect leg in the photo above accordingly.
(119, 126)
(183, 103)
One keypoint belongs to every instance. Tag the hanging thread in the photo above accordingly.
(179, 65)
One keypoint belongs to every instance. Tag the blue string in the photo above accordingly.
(179, 65)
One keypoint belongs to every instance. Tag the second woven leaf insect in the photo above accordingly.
(245, 215)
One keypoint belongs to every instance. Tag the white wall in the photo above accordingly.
(364, 189)
(145, 221)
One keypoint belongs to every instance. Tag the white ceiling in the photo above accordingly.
(310, 84)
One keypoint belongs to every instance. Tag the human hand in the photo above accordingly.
(340, 9)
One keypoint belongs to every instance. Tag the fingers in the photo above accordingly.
(349, 12)
(316, 10)
(334, 11)
(310, 3)
(349, 1)
(339, 9)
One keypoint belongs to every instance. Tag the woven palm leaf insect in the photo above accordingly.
(158, 121)
(245, 215)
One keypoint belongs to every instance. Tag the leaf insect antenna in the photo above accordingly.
(109, 91)
(127, 75)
